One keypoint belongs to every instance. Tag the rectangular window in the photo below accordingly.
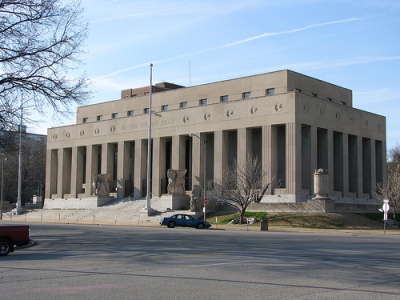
(164, 107)
(314, 94)
(99, 118)
(84, 120)
(146, 110)
(183, 104)
(329, 99)
(203, 101)
(114, 115)
(129, 113)
(246, 95)
(298, 90)
(270, 92)
(223, 98)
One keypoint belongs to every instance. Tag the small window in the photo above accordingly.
(146, 110)
(114, 115)
(183, 104)
(164, 107)
(85, 120)
(270, 92)
(99, 118)
(129, 113)
(246, 95)
(298, 90)
(314, 94)
(329, 99)
(223, 98)
(343, 103)
(203, 101)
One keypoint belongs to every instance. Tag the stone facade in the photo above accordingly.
(296, 125)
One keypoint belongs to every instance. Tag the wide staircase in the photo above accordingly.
(125, 211)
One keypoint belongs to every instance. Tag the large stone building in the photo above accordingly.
(294, 123)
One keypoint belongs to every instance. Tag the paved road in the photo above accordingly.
(111, 262)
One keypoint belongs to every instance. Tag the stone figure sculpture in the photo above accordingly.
(101, 185)
(176, 181)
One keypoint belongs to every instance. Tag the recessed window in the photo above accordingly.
(223, 98)
(203, 101)
(298, 90)
(114, 115)
(85, 120)
(329, 99)
(164, 107)
(146, 110)
(99, 118)
(314, 94)
(270, 92)
(343, 103)
(129, 113)
(183, 104)
(246, 95)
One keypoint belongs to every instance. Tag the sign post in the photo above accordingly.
(385, 208)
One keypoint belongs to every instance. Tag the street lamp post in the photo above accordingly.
(2, 186)
(204, 172)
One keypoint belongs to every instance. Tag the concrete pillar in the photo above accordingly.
(51, 173)
(197, 163)
(345, 165)
(89, 170)
(123, 167)
(244, 145)
(221, 140)
(293, 186)
(330, 160)
(267, 156)
(178, 152)
(140, 167)
(360, 187)
(74, 171)
(159, 165)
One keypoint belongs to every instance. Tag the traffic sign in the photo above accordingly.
(385, 208)
(205, 200)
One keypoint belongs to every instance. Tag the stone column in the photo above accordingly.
(244, 145)
(221, 139)
(159, 165)
(345, 165)
(197, 163)
(89, 170)
(267, 156)
(74, 171)
(123, 167)
(292, 165)
(178, 152)
(140, 167)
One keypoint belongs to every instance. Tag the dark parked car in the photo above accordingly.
(184, 221)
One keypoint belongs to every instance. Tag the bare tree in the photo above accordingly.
(241, 185)
(40, 43)
(391, 189)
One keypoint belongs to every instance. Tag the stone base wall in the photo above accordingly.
(76, 203)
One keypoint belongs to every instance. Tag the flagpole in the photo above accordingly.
(148, 196)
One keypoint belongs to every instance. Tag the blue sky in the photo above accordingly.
(351, 43)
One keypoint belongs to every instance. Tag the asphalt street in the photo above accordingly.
(121, 262)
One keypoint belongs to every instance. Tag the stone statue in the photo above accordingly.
(176, 181)
(193, 206)
(100, 184)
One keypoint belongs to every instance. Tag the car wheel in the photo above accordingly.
(171, 224)
(5, 247)
(200, 226)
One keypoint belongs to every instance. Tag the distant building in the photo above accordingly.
(294, 123)
(33, 164)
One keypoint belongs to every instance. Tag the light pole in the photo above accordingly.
(204, 172)
(2, 186)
